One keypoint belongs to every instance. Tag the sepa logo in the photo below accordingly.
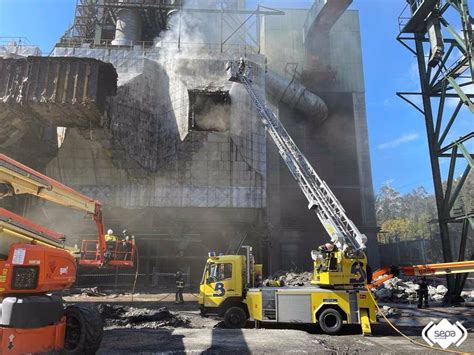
(444, 333)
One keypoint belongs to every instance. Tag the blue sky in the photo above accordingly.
(398, 144)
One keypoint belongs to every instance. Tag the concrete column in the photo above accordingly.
(369, 223)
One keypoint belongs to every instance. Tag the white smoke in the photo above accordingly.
(194, 29)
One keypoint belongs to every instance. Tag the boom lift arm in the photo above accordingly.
(386, 273)
(34, 262)
(17, 179)
(343, 232)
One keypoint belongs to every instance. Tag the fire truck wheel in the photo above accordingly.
(330, 321)
(84, 329)
(235, 317)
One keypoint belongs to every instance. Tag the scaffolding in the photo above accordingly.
(445, 59)
(95, 21)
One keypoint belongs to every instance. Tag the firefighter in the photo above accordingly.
(423, 293)
(327, 248)
(111, 243)
(241, 65)
(126, 246)
(179, 279)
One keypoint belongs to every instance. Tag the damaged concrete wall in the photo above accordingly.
(69, 92)
(37, 94)
(151, 158)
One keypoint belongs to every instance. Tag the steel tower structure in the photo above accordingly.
(445, 58)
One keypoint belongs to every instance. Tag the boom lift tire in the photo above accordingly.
(330, 321)
(84, 330)
(235, 318)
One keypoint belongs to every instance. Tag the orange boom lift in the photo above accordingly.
(34, 262)
(386, 273)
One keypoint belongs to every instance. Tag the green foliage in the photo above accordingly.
(413, 216)
(404, 217)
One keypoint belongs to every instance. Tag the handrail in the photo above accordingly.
(79, 42)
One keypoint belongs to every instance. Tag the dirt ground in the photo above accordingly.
(180, 329)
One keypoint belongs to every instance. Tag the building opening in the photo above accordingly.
(209, 110)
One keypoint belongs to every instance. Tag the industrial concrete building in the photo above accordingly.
(177, 154)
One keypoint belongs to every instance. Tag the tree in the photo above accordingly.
(388, 203)
(404, 217)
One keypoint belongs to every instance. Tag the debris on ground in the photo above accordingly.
(405, 291)
(92, 292)
(290, 278)
(468, 296)
(388, 311)
(117, 316)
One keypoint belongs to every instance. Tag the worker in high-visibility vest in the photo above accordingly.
(110, 237)
(111, 243)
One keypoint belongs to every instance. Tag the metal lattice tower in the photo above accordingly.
(445, 59)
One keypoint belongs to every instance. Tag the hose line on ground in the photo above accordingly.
(413, 341)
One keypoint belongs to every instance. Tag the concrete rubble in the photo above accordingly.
(405, 291)
(468, 297)
(290, 278)
(388, 311)
(394, 290)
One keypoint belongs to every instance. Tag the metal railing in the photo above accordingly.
(119, 251)
(410, 9)
(17, 41)
(144, 46)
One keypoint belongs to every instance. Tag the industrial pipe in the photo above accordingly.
(296, 95)
(128, 28)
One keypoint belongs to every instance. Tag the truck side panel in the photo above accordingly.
(294, 308)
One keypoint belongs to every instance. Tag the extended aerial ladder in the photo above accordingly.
(346, 263)
(17, 179)
(321, 199)
(339, 267)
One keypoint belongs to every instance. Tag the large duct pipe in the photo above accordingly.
(295, 95)
(128, 28)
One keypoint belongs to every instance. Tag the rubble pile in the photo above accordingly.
(290, 278)
(388, 311)
(468, 296)
(92, 292)
(398, 290)
(117, 316)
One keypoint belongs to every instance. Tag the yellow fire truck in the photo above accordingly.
(231, 284)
